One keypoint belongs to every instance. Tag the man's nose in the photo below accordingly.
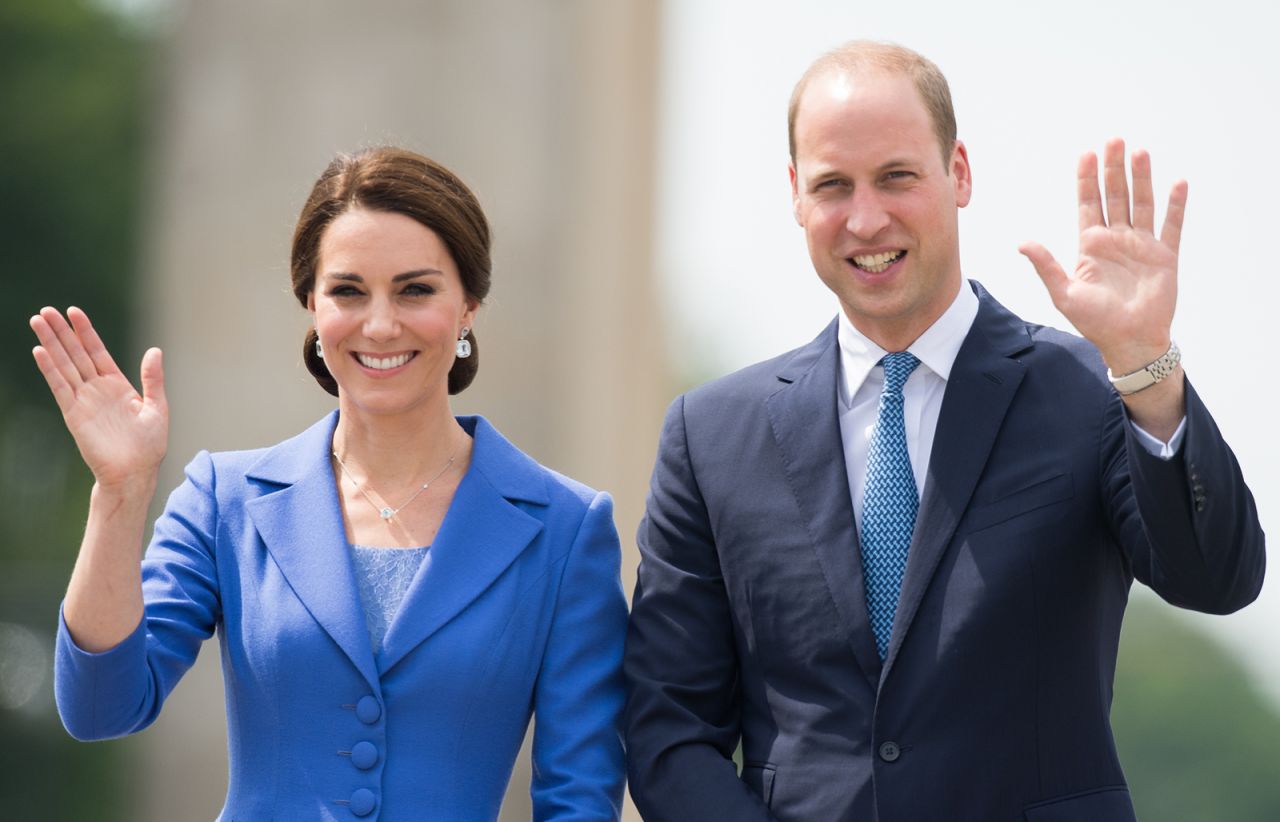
(867, 215)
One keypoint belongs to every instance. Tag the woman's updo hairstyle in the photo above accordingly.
(398, 181)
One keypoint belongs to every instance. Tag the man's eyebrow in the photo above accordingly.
(824, 175)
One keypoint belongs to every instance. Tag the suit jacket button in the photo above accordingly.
(368, 710)
(889, 751)
(363, 802)
(364, 755)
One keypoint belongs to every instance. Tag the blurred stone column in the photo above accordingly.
(545, 107)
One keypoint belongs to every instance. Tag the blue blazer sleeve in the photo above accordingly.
(683, 700)
(120, 691)
(1189, 524)
(577, 744)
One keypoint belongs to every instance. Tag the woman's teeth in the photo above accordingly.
(383, 363)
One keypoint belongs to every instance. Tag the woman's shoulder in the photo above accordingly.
(516, 474)
(285, 461)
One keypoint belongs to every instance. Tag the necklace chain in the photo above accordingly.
(386, 511)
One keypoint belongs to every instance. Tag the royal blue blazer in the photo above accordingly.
(519, 613)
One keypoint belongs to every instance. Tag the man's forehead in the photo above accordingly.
(881, 120)
(839, 85)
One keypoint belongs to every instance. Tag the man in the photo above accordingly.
(897, 579)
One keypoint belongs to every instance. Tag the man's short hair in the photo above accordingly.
(868, 55)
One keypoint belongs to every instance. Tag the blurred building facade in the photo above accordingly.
(546, 109)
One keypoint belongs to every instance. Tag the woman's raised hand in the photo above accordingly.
(122, 435)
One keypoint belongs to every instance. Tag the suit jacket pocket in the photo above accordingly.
(1102, 805)
(759, 778)
(1018, 501)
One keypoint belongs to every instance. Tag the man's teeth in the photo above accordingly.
(383, 363)
(875, 263)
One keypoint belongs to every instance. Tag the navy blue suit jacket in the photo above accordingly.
(749, 621)
(519, 612)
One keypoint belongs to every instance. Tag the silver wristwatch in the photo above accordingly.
(1148, 375)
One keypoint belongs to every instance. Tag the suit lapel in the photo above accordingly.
(805, 426)
(983, 382)
(482, 534)
(302, 528)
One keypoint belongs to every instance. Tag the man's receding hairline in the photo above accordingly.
(861, 58)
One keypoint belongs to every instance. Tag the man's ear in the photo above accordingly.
(795, 194)
(962, 174)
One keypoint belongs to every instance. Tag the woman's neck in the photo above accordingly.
(399, 449)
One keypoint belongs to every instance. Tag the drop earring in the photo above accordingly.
(464, 345)
(319, 349)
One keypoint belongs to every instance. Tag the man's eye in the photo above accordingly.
(899, 175)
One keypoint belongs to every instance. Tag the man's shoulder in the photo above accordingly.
(761, 379)
(1049, 347)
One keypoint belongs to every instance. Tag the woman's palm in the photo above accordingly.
(122, 435)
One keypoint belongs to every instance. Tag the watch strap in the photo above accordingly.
(1150, 374)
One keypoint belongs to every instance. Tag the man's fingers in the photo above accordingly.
(62, 393)
(153, 378)
(1144, 203)
(1171, 233)
(1087, 191)
(1117, 184)
(1054, 278)
(93, 346)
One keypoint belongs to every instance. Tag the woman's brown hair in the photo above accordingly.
(398, 181)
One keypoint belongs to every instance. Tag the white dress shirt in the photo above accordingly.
(862, 379)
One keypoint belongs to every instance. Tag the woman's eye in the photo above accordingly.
(343, 291)
(419, 290)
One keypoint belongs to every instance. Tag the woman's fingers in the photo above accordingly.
(53, 346)
(70, 343)
(153, 379)
(62, 393)
(92, 343)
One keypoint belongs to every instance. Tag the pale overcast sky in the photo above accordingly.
(1034, 85)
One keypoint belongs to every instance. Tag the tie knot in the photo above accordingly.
(897, 367)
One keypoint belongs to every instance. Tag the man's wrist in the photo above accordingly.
(1149, 374)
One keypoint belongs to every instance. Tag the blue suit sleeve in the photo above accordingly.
(578, 767)
(683, 705)
(1189, 524)
(121, 690)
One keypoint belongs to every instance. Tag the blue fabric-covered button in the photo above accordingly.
(363, 802)
(368, 710)
(364, 755)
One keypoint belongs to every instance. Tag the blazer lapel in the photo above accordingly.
(803, 416)
(983, 382)
(302, 528)
(482, 534)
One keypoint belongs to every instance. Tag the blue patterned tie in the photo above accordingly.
(889, 503)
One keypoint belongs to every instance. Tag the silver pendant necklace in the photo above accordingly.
(386, 511)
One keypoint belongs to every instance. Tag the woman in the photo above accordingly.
(395, 590)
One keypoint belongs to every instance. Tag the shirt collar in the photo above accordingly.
(936, 348)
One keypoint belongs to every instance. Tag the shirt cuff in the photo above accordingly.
(1158, 448)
